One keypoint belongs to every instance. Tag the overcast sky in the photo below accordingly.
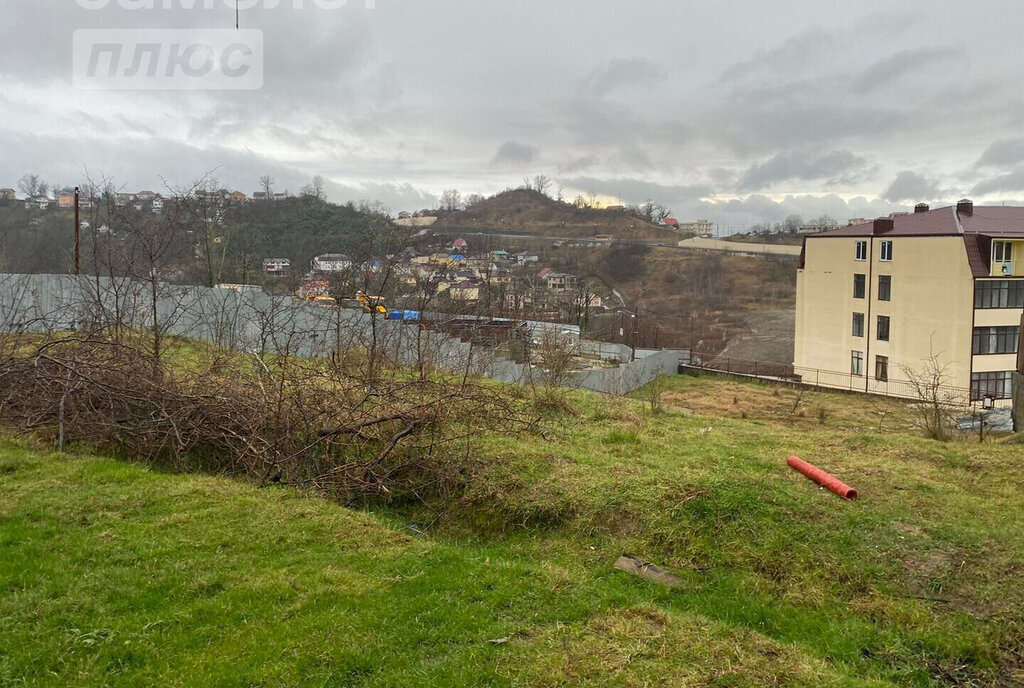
(737, 111)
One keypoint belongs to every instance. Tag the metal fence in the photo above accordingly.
(830, 379)
(263, 323)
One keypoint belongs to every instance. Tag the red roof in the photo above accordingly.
(671, 221)
(459, 243)
(978, 225)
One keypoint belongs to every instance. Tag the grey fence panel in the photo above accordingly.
(266, 324)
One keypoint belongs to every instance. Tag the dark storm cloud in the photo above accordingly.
(515, 153)
(795, 165)
(912, 187)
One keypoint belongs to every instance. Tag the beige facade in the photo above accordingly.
(929, 308)
(875, 303)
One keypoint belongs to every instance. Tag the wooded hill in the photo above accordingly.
(524, 211)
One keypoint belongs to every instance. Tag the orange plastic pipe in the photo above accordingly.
(822, 478)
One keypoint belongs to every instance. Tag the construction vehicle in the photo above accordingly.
(372, 304)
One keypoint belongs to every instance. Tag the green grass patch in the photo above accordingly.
(111, 574)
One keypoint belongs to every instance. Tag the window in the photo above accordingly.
(883, 328)
(886, 250)
(885, 288)
(999, 294)
(882, 368)
(995, 385)
(996, 340)
(862, 250)
(1002, 251)
(858, 324)
(857, 363)
(859, 284)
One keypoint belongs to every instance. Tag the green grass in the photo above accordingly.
(112, 574)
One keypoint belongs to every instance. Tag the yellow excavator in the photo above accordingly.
(372, 304)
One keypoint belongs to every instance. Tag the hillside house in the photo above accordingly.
(332, 262)
(277, 266)
(8, 195)
(878, 299)
(560, 281)
(699, 227)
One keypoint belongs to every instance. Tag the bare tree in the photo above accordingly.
(935, 400)
(315, 189)
(472, 200)
(267, 184)
(451, 200)
(542, 183)
(33, 185)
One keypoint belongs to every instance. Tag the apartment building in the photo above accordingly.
(878, 298)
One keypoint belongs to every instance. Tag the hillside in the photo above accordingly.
(522, 211)
(118, 575)
(693, 299)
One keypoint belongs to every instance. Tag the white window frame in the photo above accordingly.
(1002, 251)
(857, 363)
(861, 252)
(885, 251)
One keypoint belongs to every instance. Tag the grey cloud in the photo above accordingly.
(1011, 181)
(791, 55)
(579, 164)
(621, 73)
(911, 186)
(900, 64)
(514, 153)
(798, 165)
(1004, 153)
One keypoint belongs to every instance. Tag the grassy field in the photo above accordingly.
(113, 574)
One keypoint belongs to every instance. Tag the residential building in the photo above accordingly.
(158, 205)
(560, 281)
(277, 266)
(237, 197)
(8, 195)
(880, 299)
(701, 227)
(259, 195)
(332, 262)
(145, 196)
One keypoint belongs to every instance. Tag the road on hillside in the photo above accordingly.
(697, 244)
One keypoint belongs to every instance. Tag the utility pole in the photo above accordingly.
(78, 226)
(634, 318)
